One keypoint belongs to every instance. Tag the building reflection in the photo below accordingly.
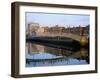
(67, 55)
(38, 48)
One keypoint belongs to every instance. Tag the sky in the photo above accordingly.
(48, 19)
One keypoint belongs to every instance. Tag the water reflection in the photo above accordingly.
(39, 54)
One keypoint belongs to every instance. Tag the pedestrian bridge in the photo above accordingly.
(67, 35)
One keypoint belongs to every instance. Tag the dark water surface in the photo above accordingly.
(38, 54)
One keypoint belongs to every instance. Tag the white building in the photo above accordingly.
(32, 28)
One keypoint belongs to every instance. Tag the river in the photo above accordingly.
(39, 55)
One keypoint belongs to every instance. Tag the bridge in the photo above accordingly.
(82, 39)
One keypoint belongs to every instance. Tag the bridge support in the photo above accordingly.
(83, 41)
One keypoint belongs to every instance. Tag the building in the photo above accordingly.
(40, 31)
(32, 28)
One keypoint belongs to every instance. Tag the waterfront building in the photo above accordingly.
(32, 28)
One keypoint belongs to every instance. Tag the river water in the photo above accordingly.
(38, 55)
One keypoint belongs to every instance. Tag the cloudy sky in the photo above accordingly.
(48, 19)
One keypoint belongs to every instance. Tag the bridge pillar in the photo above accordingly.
(83, 40)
